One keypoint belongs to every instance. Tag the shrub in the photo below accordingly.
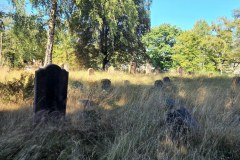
(18, 88)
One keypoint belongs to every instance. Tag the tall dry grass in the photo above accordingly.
(129, 121)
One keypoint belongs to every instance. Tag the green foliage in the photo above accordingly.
(111, 28)
(159, 43)
(64, 51)
(23, 39)
(18, 89)
(92, 33)
(200, 49)
(187, 53)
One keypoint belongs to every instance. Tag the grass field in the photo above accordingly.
(129, 120)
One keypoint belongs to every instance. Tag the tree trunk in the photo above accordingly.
(51, 29)
(105, 62)
(1, 41)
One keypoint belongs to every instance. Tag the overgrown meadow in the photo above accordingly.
(129, 120)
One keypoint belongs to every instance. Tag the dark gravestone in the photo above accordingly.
(158, 84)
(105, 84)
(166, 80)
(50, 92)
(170, 103)
(77, 85)
(180, 124)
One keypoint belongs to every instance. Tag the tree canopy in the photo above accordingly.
(99, 33)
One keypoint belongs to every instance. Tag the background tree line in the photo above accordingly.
(203, 48)
(82, 33)
(93, 33)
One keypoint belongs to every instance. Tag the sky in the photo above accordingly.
(184, 13)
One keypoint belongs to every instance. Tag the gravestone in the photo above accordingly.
(91, 71)
(180, 123)
(210, 75)
(157, 71)
(107, 66)
(50, 92)
(158, 83)
(126, 82)
(148, 69)
(64, 66)
(141, 69)
(105, 84)
(132, 67)
(77, 85)
(111, 69)
(180, 71)
(166, 80)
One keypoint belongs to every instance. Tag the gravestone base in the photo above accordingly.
(45, 117)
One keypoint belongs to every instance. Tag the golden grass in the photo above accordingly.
(130, 123)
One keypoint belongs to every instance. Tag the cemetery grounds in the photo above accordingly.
(128, 122)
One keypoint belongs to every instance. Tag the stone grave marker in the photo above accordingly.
(166, 80)
(126, 82)
(105, 84)
(148, 68)
(158, 84)
(157, 71)
(132, 67)
(91, 71)
(65, 66)
(180, 71)
(50, 92)
(111, 69)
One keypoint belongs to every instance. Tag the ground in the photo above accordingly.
(126, 122)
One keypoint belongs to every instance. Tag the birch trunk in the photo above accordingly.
(51, 29)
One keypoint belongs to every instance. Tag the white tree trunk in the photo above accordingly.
(51, 29)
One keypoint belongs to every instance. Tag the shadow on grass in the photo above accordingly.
(89, 133)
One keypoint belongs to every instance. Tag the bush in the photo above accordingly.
(18, 88)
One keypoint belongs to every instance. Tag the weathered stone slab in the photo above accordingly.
(132, 67)
(166, 80)
(111, 70)
(91, 71)
(158, 84)
(105, 84)
(148, 68)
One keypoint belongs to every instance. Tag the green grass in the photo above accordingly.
(130, 121)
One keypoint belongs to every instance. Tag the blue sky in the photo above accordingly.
(184, 13)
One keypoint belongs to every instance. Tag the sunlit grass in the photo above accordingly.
(131, 120)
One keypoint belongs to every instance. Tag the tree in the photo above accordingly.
(1, 33)
(159, 43)
(236, 38)
(50, 7)
(186, 51)
(225, 29)
(23, 38)
(214, 53)
(113, 27)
